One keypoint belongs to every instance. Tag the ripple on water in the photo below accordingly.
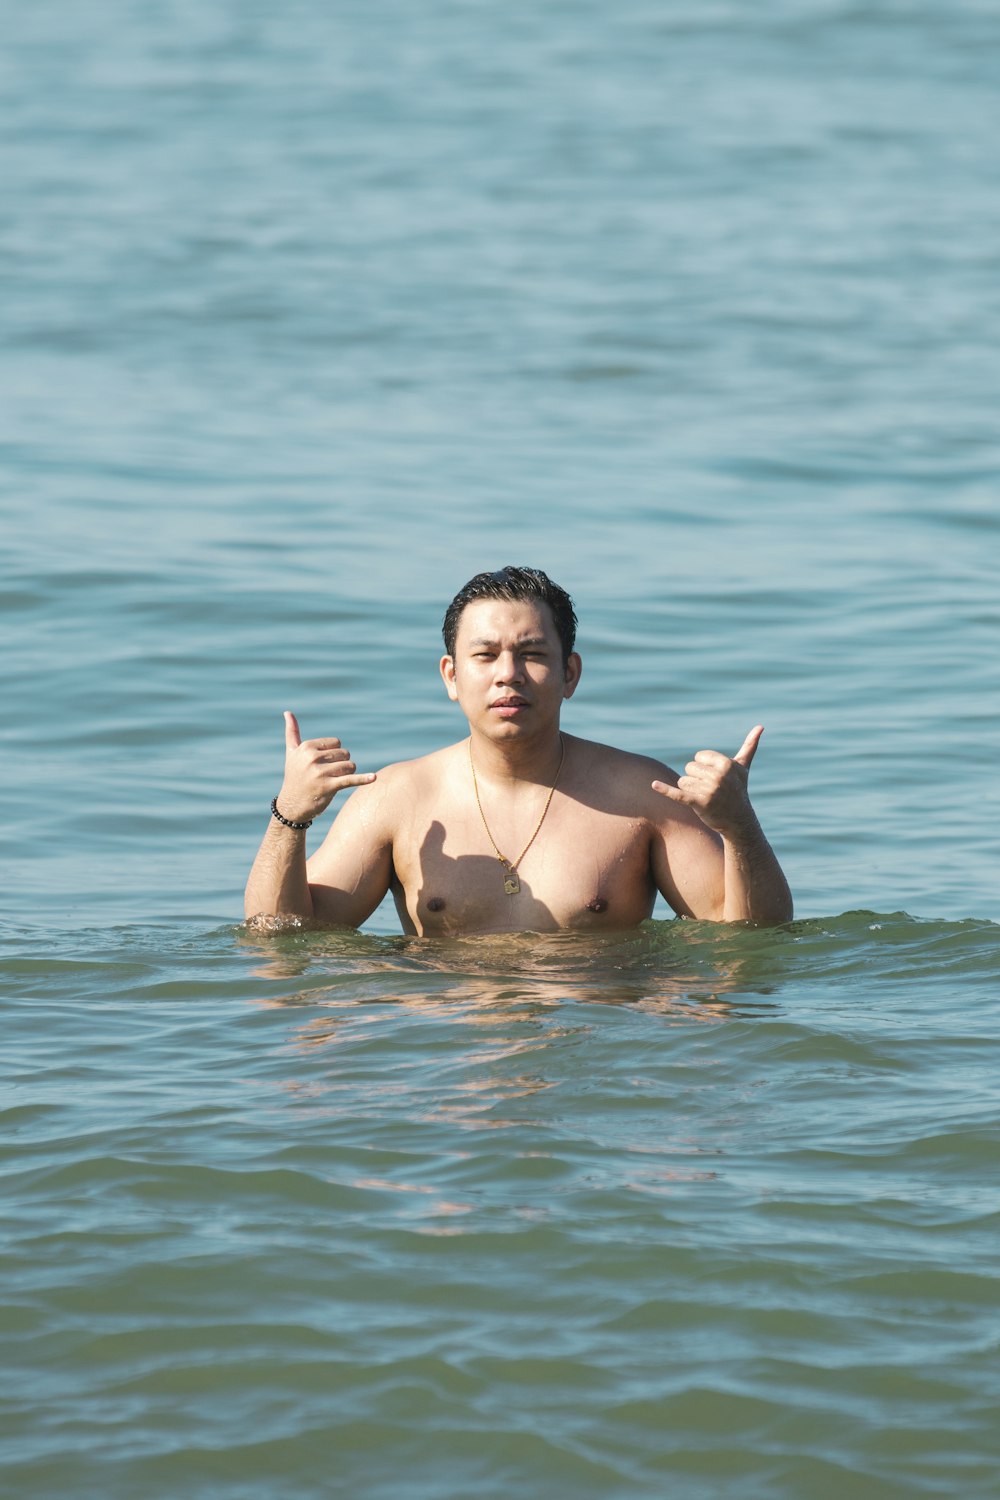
(692, 1206)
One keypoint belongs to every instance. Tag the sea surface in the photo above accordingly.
(308, 313)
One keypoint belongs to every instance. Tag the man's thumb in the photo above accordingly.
(292, 736)
(748, 749)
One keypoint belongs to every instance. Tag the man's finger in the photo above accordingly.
(748, 749)
(666, 790)
(292, 736)
(713, 758)
(336, 765)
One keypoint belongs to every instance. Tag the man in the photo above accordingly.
(521, 827)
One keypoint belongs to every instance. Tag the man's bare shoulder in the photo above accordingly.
(397, 785)
(623, 766)
(404, 776)
(621, 782)
(375, 812)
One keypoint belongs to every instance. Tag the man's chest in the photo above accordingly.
(583, 869)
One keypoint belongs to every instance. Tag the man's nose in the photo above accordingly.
(508, 668)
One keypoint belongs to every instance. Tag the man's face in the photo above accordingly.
(507, 672)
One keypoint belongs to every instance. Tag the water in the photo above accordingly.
(309, 314)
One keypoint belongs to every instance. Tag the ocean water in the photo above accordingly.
(308, 313)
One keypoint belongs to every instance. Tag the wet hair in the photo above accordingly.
(513, 584)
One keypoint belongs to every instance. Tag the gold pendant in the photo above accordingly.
(511, 884)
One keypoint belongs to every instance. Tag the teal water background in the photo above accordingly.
(308, 314)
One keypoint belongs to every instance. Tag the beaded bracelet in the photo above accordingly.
(288, 822)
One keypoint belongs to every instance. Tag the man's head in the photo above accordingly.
(515, 584)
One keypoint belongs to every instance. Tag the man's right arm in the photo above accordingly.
(356, 858)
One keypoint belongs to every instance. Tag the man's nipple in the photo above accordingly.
(436, 903)
(597, 905)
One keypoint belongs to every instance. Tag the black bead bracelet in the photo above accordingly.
(288, 822)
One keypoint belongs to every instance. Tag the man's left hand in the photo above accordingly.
(715, 787)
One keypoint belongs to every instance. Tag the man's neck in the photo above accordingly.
(518, 760)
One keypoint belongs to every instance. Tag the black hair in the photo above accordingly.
(514, 583)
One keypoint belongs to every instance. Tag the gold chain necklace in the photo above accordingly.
(511, 884)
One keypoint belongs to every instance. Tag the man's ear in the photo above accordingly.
(574, 668)
(448, 674)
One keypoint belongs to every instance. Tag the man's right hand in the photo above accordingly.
(315, 771)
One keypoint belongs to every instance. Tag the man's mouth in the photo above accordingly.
(509, 704)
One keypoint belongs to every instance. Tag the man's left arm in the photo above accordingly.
(714, 787)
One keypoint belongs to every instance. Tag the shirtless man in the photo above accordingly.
(521, 827)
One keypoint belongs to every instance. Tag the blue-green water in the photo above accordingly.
(308, 314)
